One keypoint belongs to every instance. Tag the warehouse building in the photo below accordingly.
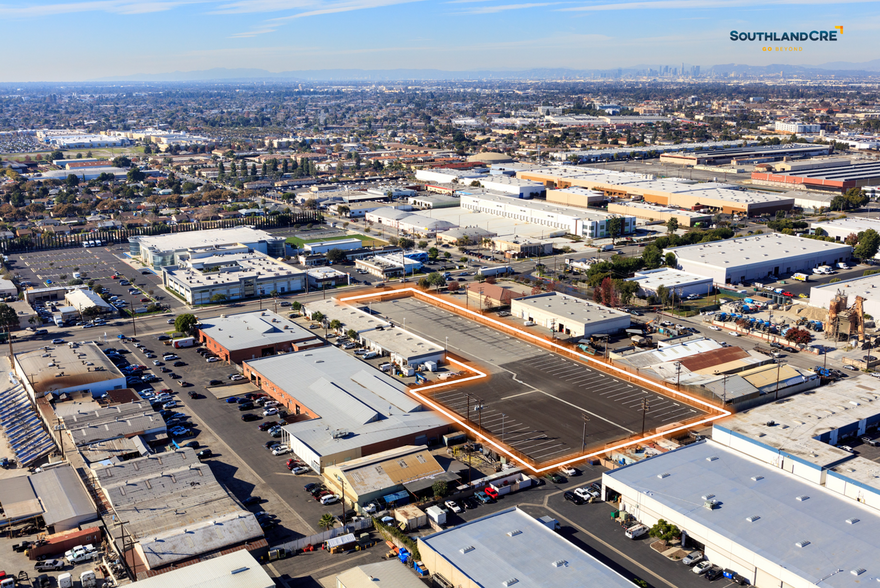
(569, 316)
(510, 548)
(514, 187)
(56, 494)
(232, 273)
(652, 212)
(672, 192)
(157, 251)
(842, 228)
(237, 569)
(682, 283)
(64, 369)
(747, 259)
(868, 287)
(248, 335)
(408, 222)
(82, 299)
(340, 244)
(403, 347)
(747, 154)
(575, 196)
(447, 176)
(174, 509)
(575, 221)
(837, 179)
(344, 408)
(804, 435)
(87, 426)
(770, 527)
(388, 266)
(410, 469)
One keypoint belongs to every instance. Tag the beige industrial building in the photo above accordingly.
(651, 212)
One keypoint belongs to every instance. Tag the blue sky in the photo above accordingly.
(73, 40)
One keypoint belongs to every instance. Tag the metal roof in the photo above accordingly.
(747, 251)
(62, 495)
(820, 536)
(238, 569)
(383, 574)
(512, 548)
(253, 329)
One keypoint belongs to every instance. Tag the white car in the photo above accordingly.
(714, 328)
(236, 377)
(453, 506)
(371, 508)
(569, 471)
(734, 334)
(212, 359)
(301, 470)
(329, 499)
(281, 450)
(270, 412)
(701, 567)
(586, 493)
(169, 357)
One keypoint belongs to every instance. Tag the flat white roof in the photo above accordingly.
(211, 237)
(238, 569)
(661, 209)
(852, 224)
(235, 267)
(511, 547)
(669, 277)
(755, 249)
(253, 329)
(569, 307)
(541, 205)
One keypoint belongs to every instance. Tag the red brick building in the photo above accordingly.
(235, 338)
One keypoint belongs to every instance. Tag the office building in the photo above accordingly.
(157, 251)
(568, 316)
(248, 335)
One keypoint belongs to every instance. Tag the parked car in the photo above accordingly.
(454, 506)
(556, 478)
(250, 500)
(572, 497)
(204, 454)
(49, 565)
(713, 573)
(298, 470)
(491, 492)
(215, 383)
(569, 471)
(281, 450)
(871, 442)
(483, 497)
(701, 567)
(692, 558)
(267, 425)
(250, 417)
(329, 499)
(270, 412)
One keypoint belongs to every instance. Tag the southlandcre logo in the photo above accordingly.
(788, 36)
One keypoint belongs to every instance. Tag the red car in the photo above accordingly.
(491, 492)
(145, 299)
(789, 294)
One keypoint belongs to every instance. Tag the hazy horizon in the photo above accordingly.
(83, 40)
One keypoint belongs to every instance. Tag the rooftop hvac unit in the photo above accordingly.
(710, 504)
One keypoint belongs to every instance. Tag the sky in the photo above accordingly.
(80, 40)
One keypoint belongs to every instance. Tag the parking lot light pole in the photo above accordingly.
(584, 437)
(645, 408)
(133, 323)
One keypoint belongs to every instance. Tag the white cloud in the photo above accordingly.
(697, 4)
(505, 7)
(111, 6)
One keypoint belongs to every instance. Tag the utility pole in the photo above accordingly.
(778, 367)
(502, 426)
(645, 408)
(133, 323)
(584, 437)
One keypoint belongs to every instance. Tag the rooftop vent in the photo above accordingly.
(560, 563)
(712, 458)
(514, 533)
(857, 571)
(753, 518)
(710, 504)
(802, 498)
(802, 544)
(513, 581)
(467, 549)
(661, 476)
(708, 496)
(852, 521)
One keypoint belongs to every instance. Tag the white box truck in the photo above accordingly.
(501, 270)
(183, 342)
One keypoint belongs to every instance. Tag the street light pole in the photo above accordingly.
(133, 323)
(584, 437)
(645, 408)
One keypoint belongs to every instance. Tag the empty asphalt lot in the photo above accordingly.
(539, 403)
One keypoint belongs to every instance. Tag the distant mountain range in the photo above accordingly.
(868, 69)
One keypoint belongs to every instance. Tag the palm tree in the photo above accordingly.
(327, 522)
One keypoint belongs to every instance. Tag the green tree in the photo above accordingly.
(8, 317)
(335, 324)
(663, 295)
(671, 225)
(406, 243)
(327, 522)
(121, 161)
(436, 279)
(615, 227)
(433, 253)
(665, 531)
(869, 242)
(317, 316)
(671, 259)
(219, 298)
(296, 306)
(185, 323)
(135, 175)
(626, 290)
(440, 488)
(335, 255)
(72, 181)
(651, 257)
(352, 334)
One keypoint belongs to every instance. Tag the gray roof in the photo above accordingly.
(746, 489)
(238, 569)
(121, 420)
(62, 495)
(512, 545)
(348, 394)
(43, 367)
(383, 574)
(174, 506)
(565, 306)
(253, 329)
(747, 251)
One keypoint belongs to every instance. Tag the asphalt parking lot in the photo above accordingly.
(535, 401)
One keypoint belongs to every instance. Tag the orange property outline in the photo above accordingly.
(416, 392)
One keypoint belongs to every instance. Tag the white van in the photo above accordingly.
(370, 354)
(65, 580)
(636, 531)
